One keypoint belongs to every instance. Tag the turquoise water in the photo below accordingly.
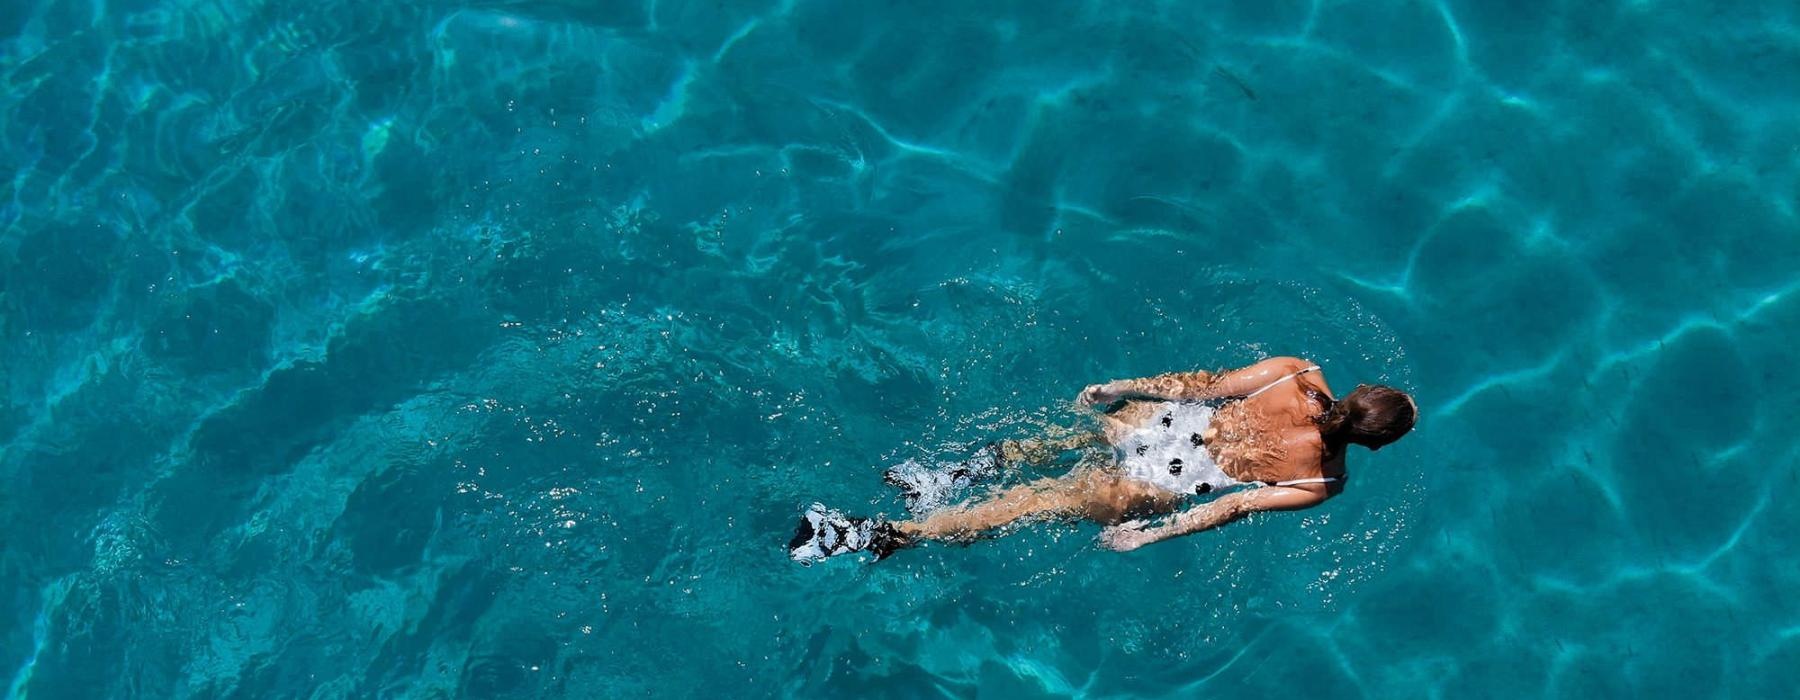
(490, 349)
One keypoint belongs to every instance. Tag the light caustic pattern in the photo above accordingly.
(418, 349)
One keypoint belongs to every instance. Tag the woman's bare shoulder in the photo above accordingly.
(1282, 364)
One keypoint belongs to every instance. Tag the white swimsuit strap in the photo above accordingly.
(1272, 384)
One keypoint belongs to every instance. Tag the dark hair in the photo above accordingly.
(1371, 416)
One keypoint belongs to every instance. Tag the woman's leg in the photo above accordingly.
(1091, 491)
(927, 487)
(1113, 428)
(1095, 494)
(1044, 450)
(1118, 424)
(1044, 498)
(1039, 451)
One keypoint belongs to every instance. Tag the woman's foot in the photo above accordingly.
(926, 489)
(824, 533)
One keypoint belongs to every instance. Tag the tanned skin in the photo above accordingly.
(1270, 437)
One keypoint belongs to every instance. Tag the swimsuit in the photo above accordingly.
(1170, 452)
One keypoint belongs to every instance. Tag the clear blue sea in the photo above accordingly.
(490, 349)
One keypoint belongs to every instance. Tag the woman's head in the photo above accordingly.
(1371, 416)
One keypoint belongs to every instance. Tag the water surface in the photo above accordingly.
(439, 349)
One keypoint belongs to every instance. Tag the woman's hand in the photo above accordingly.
(1127, 536)
(1099, 394)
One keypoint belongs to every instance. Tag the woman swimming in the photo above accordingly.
(1272, 426)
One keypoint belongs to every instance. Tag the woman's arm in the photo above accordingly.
(1193, 386)
(1162, 387)
(1125, 537)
